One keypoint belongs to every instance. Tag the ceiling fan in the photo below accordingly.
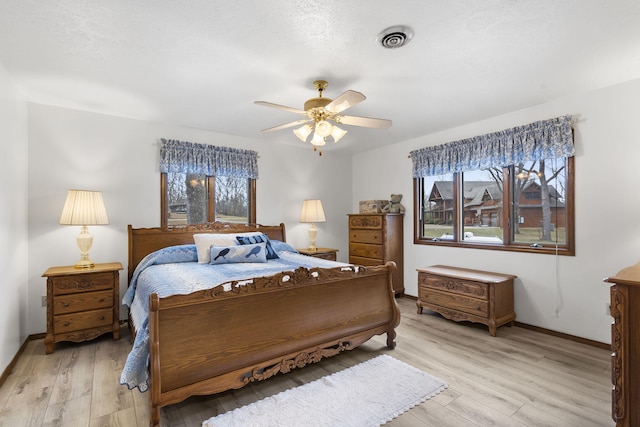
(322, 114)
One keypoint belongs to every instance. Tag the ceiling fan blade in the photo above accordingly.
(286, 125)
(280, 107)
(365, 122)
(344, 101)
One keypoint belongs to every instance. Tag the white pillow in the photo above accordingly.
(204, 241)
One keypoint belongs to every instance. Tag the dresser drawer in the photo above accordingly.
(82, 283)
(366, 236)
(366, 221)
(365, 261)
(453, 301)
(82, 320)
(71, 303)
(454, 285)
(365, 250)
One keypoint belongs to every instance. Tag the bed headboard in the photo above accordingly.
(143, 241)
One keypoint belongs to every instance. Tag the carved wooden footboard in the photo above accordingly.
(211, 341)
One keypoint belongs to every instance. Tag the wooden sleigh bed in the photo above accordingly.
(291, 319)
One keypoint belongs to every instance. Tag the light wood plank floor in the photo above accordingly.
(519, 378)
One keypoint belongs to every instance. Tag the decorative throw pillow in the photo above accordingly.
(204, 241)
(238, 253)
(260, 238)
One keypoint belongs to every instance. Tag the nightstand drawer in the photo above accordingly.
(453, 285)
(365, 250)
(366, 236)
(82, 283)
(82, 320)
(457, 302)
(71, 303)
(331, 256)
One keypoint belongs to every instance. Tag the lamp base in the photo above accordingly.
(84, 241)
(313, 233)
(84, 263)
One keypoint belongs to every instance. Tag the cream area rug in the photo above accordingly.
(368, 394)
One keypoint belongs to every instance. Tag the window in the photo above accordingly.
(530, 210)
(463, 199)
(204, 183)
(198, 198)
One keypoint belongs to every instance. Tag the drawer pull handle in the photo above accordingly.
(101, 317)
(101, 300)
(66, 323)
(65, 304)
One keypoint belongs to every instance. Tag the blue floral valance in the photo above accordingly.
(189, 157)
(545, 139)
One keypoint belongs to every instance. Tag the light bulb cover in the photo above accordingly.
(303, 132)
(318, 140)
(323, 128)
(337, 133)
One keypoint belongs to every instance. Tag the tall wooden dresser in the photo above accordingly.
(375, 239)
(625, 346)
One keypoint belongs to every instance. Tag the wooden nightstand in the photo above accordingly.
(82, 304)
(324, 253)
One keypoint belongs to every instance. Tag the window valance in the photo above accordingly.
(544, 139)
(189, 157)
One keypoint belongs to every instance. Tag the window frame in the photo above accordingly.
(211, 200)
(567, 249)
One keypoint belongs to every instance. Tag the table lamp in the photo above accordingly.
(312, 212)
(84, 208)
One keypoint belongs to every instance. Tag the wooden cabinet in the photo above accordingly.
(625, 346)
(324, 253)
(463, 294)
(375, 239)
(82, 304)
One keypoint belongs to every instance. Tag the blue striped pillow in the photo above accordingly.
(260, 238)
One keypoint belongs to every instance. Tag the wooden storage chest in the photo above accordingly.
(463, 294)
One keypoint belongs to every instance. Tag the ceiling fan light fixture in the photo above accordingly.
(322, 114)
(303, 132)
(323, 128)
(337, 133)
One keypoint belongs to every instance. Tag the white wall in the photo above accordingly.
(74, 149)
(607, 141)
(13, 219)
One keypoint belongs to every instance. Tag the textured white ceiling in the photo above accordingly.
(202, 63)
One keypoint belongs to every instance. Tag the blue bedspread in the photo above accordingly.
(175, 270)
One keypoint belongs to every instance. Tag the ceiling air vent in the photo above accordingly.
(395, 37)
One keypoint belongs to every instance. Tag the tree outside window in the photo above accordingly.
(198, 198)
